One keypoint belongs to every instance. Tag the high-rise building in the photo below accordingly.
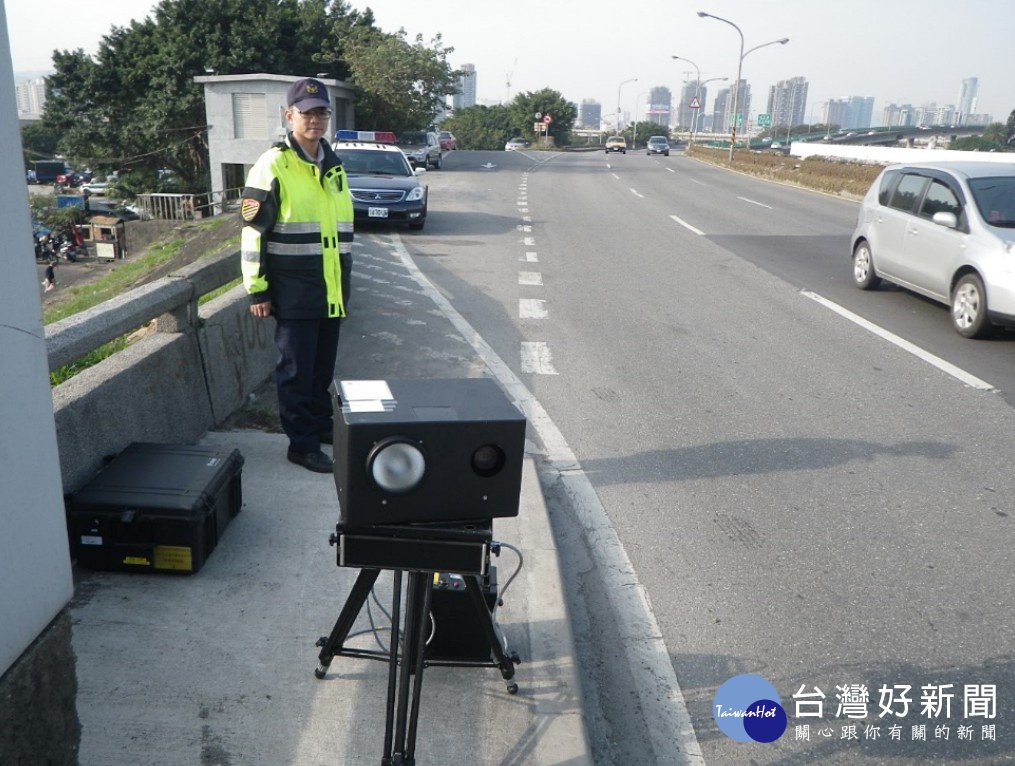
(31, 97)
(899, 115)
(966, 100)
(787, 102)
(850, 113)
(590, 114)
(466, 96)
(659, 106)
(685, 114)
(722, 119)
(688, 116)
(932, 114)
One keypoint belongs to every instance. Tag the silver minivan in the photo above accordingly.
(945, 230)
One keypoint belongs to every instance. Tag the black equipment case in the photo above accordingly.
(155, 507)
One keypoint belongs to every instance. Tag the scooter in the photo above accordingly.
(70, 250)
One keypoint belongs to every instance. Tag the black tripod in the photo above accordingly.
(402, 711)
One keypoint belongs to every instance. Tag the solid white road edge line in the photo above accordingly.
(666, 716)
(946, 367)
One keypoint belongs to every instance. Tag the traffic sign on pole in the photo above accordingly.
(547, 119)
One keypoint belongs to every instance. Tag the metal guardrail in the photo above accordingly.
(182, 207)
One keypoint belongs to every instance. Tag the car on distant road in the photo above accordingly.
(945, 230)
(616, 144)
(658, 145)
(447, 140)
(385, 187)
(422, 147)
(515, 144)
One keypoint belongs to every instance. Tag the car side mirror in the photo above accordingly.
(420, 171)
(946, 219)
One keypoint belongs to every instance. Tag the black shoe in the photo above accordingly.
(312, 461)
(327, 437)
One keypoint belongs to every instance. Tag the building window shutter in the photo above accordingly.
(249, 116)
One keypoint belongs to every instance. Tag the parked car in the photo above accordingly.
(515, 144)
(385, 188)
(945, 230)
(658, 145)
(422, 147)
(96, 188)
(616, 144)
(113, 210)
(447, 140)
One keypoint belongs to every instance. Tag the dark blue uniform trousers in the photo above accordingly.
(307, 352)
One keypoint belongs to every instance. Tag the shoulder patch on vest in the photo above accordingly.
(249, 208)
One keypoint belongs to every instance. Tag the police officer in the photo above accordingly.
(296, 250)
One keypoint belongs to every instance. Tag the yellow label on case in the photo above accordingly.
(139, 561)
(173, 557)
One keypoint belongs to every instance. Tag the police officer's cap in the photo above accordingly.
(307, 94)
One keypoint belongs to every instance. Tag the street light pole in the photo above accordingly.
(740, 63)
(736, 84)
(625, 82)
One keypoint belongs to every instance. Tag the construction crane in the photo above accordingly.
(508, 78)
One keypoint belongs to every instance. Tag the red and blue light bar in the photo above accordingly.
(376, 136)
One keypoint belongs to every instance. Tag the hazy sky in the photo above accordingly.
(896, 51)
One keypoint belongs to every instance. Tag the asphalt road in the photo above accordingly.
(783, 491)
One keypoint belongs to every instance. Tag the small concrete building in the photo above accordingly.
(246, 115)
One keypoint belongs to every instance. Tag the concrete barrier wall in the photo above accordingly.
(887, 155)
(175, 383)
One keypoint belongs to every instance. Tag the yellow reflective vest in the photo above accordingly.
(296, 242)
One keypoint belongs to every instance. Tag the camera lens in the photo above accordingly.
(396, 466)
(488, 460)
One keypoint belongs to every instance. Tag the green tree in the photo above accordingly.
(483, 127)
(525, 106)
(400, 85)
(38, 142)
(645, 129)
(136, 105)
(994, 138)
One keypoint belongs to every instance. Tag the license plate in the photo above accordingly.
(377, 212)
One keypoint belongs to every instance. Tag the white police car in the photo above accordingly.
(384, 186)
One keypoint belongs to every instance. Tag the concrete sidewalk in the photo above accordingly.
(217, 668)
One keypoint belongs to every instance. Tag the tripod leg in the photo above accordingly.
(425, 586)
(493, 635)
(389, 715)
(417, 594)
(331, 645)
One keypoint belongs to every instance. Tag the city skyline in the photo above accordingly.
(891, 53)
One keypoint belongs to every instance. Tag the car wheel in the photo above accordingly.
(438, 162)
(864, 275)
(969, 307)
